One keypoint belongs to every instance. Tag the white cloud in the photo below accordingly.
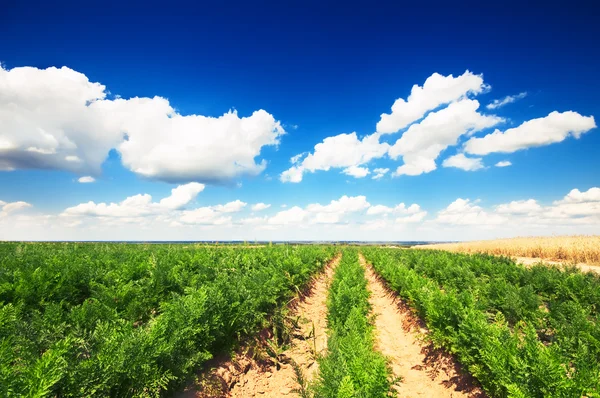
(379, 209)
(413, 218)
(316, 213)
(346, 204)
(340, 151)
(460, 161)
(465, 212)
(260, 206)
(553, 128)
(379, 173)
(231, 207)
(142, 210)
(503, 163)
(253, 220)
(519, 207)
(576, 196)
(422, 143)
(138, 205)
(356, 171)
(133, 206)
(437, 90)
(294, 215)
(293, 174)
(374, 225)
(498, 103)
(295, 159)
(86, 179)
(341, 219)
(398, 209)
(182, 195)
(204, 216)
(57, 119)
(12, 207)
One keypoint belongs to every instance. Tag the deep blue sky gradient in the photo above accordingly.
(329, 68)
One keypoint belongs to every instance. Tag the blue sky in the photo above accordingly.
(316, 70)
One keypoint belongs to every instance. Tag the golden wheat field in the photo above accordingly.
(575, 249)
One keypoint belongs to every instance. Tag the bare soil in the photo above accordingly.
(255, 373)
(584, 267)
(425, 372)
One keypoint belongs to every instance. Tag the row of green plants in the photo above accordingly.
(563, 306)
(126, 320)
(352, 367)
(521, 332)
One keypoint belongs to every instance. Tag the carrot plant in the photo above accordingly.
(522, 332)
(351, 367)
(126, 320)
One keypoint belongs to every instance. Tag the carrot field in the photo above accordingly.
(122, 320)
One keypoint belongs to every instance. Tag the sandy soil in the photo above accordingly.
(256, 374)
(581, 266)
(425, 372)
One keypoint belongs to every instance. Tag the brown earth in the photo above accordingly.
(255, 373)
(425, 372)
(583, 267)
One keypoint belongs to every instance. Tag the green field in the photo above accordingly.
(99, 319)
(80, 320)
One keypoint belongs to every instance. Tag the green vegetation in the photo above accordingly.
(522, 332)
(351, 368)
(127, 320)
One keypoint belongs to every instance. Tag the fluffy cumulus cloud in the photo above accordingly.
(316, 213)
(6, 209)
(379, 173)
(260, 206)
(509, 99)
(460, 161)
(576, 212)
(182, 195)
(435, 116)
(436, 91)
(231, 207)
(519, 207)
(503, 163)
(173, 209)
(555, 127)
(419, 146)
(410, 214)
(347, 218)
(423, 142)
(86, 179)
(356, 171)
(293, 215)
(340, 151)
(398, 209)
(584, 207)
(576, 196)
(466, 212)
(57, 119)
(204, 216)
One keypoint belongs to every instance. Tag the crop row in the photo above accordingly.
(128, 320)
(352, 367)
(522, 332)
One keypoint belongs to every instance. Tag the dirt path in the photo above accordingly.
(308, 341)
(584, 267)
(257, 375)
(424, 373)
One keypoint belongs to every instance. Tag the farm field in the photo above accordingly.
(565, 249)
(124, 320)
(82, 320)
